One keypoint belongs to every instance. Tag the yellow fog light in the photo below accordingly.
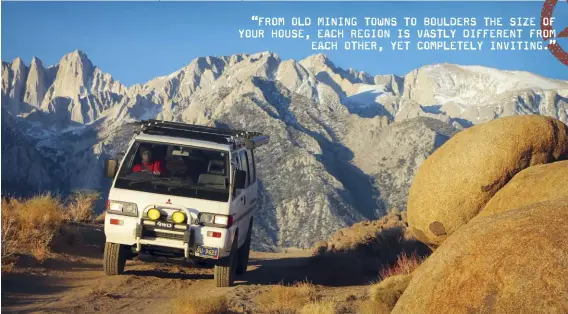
(154, 214)
(178, 217)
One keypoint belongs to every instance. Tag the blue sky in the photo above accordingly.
(137, 41)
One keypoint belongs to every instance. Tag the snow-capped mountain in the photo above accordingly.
(344, 144)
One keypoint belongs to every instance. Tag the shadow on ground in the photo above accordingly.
(358, 265)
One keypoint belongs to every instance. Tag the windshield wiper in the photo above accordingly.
(176, 185)
(157, 179)
(139, 181)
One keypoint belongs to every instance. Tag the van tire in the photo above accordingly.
(114, 259)
(225, 269)
(244, 253)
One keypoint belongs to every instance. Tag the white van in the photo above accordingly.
(183, 191)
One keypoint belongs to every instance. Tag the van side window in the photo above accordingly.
(252, 169)
(244, 165)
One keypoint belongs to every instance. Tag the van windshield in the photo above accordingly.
(175, 170)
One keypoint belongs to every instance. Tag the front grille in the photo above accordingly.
(163, 235)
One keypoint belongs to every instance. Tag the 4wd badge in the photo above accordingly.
(164, 225)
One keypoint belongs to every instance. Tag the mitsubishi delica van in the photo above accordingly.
(186, 192)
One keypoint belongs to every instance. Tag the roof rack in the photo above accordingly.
(237, 138)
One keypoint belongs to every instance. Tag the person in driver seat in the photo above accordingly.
(147, 164)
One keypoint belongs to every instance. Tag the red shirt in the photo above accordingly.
(154, 166)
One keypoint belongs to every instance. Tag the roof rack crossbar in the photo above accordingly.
(201, 128)
(218, 135)
(190, 135)
(171, 129)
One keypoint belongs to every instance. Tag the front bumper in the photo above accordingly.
(139, 233)
(147, 233)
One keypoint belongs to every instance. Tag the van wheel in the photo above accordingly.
(114, 259)
(225, 268)
(244, 253)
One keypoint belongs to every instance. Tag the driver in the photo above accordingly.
(147, 164)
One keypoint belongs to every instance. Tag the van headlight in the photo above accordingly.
(122, 208)
(216, 220)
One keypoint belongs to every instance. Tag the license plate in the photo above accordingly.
(207, 251)
(164, 225)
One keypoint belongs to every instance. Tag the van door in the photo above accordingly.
(253, 186)
(245, 197)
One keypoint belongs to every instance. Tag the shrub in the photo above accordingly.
(325, 307)
(30, 224)
(81, 205)
(372, 307)
(189, 304)
(404, 265)
(282, 299)
(386, 293)
(394, 280)
(8, 231)
(101, 218)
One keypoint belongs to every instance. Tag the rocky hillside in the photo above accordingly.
(344, 144)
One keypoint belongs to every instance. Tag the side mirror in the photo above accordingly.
(240, 179)
(111, 166)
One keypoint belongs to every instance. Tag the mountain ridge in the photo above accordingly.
(320, 55)
(344, 144)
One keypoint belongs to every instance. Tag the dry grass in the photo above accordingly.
(405, 264)
(394, 280)
(81, 205)
(372, 307)
(100, 219)
(386, 293)
(8, 232)
(322, 307)
(28, 226)
(287, 299)
(189, 304)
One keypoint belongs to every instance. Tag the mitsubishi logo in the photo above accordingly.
(168, 202)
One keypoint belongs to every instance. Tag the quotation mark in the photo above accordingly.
(254, 17)
(551, 42)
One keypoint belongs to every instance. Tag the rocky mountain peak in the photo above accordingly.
(317, 62)
(36, 83)
(18, 62)
(36, 61)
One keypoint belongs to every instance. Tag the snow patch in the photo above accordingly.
(366, 96)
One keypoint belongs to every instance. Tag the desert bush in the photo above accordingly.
(405, 264)
(372, 307)
(101, 218)
(386, 293)
(81, 205)
(30, 224)
(283, 299)
(189, 304)
(321, 307)
(8, 232)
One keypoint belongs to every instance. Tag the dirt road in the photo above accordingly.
(71, 280)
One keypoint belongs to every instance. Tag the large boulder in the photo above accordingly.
(532, 185)
(510, 262)
(460, 177)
